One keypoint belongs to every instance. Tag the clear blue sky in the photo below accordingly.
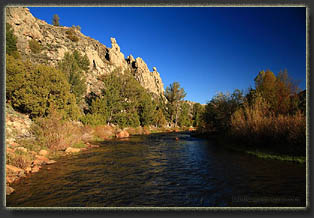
(206, 50)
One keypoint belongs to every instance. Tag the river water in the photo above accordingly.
(159, 171)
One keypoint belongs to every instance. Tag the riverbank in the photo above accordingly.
(24, 160)
(157, 170)
(260, 153)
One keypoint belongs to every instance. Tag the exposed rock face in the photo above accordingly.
(17, 127)
(55, 42)
(149, 80)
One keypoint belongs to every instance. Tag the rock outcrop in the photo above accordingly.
(149, 80)
(17, 127)
(55, 41)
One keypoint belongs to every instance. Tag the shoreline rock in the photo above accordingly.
(72, 150)
(9, 190)
(122, 134)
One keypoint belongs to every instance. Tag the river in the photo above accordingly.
(159, 171)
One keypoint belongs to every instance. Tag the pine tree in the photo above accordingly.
(75, 66)
(184, 118)
(11, 40)
(198, 111)
(34, 89)
(174, 95)
(55, 20)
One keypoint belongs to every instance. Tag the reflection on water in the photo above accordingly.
(158, 170)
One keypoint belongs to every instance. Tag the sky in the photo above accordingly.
(206, 49)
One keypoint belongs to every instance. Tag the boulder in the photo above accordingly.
(146, 131)
(9, 150)
(72, 150)
(28, 169)
(43, 152)
(22, 149)
(37, 162)
(33, 152)
(35, 169)
(9, 190)
(10, 179)
(51, 162)
(12, 170)
(40, 160)
(122, 134)
(14, 144)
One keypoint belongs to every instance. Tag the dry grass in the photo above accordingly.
(256, 125)
(56, 134)
(88, 133)
(135, 131)
(19, 159)
(104, 132)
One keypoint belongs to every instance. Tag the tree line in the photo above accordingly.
(270, 116)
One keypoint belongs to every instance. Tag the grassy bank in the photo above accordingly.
(267, 154)
(264, 153)
(298, 159)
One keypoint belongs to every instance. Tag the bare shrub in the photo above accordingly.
(104, 131)
(135, 130)
(19, 159)
(54, 133)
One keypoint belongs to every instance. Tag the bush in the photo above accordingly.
(73, 38)
(257, 126)
(35, 46)
(217, 114)
(34, 89)
(11, 39)
(123, 102)
(104, 132)
(75, 66)
(72, 35)
(19, 159)
(135, 131)
(54, 133)
(93, 119)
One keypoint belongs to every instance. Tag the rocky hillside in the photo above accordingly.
(55, 41)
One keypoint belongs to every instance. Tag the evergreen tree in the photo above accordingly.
(34, 89)
(55, 20)
(184, 118)
(159, 119)
(218, 112)
(174, 95)
(123, 101)
(147, 109)
(113, 93)
(75, 66)
(11, 40)
(198, 110)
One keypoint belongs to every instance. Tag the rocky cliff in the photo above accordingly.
(55, 41)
